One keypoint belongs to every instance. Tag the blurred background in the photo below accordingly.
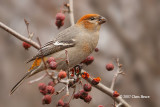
(132, 33)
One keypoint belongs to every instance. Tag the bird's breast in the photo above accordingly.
(88, 42)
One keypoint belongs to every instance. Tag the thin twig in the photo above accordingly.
(45, 65)
(30, 34)
(119, 105)
(19, 36)
(38, 79)
(27, 25)
(74, 90)
(58, 92)
(67, 62)
(119, 71)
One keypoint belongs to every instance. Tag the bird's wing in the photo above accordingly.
(64, 40)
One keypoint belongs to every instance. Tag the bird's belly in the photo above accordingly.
(75, 56)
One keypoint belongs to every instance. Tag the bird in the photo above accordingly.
(79, 40)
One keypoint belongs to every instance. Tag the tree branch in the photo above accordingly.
(19, 36)
(107, 91)
(71, 12)
(119, 71)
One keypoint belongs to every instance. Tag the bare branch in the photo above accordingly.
(119, 71)
(108, 91)
(19, 36)
(37, 79)
(71, 12)
(58, 92)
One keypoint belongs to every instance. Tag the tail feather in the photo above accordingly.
(35, 68)
(19, 82)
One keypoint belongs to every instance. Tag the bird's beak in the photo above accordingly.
(102, 20)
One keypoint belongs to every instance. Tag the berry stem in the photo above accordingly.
(74, 90)
(45, 65)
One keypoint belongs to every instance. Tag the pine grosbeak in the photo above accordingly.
(79, 40)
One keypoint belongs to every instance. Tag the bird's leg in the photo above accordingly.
(78, 69)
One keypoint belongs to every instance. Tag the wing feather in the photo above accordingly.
(64, 40)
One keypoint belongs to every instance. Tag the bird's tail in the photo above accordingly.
(19, 82)
(35, 68)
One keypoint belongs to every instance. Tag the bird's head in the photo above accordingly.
(91, 21)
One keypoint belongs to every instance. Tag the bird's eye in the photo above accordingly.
(92, 18)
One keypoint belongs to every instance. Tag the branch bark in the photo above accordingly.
(108, 91)
(19, 36)
(71, 12)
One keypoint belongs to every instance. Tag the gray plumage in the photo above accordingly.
(65, 40)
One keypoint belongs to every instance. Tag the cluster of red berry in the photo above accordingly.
(83, 94)
(62, 104)
(47, 91)
(52, 63)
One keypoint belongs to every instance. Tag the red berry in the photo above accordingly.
(60, 103)
(96, 81)
(62, 74)
(51, 83)
(50, 59)
(26, 45)
(42, 86)
(100, 106)
(85, 75)
(66, 105)
(60, 16)
(87, 87)
(59, 19)
(50, 89)
(83, 94)
(109, 67)
(88, 60)
(115, 94)
(88, 99)
(53, 65)
(59, 23)
(44, 92)
(96, 49)
(46, 99)
(76, 95)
